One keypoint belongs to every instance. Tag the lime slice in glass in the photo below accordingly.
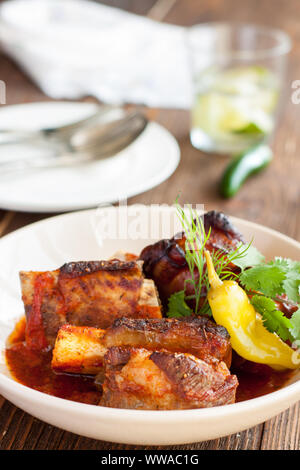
(237, 101)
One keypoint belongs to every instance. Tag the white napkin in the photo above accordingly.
(74, 48)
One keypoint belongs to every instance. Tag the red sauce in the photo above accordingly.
(255, 384)
(256, 380)
(33, 369)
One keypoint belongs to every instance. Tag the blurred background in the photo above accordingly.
(272, 196)
(102, 56)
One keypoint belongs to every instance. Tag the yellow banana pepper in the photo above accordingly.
(232, 309)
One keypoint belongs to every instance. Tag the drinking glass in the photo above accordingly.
(237, 72)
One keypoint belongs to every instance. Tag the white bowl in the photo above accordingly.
(77, 236)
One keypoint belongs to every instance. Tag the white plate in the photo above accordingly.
(149, 161)
(76, 236)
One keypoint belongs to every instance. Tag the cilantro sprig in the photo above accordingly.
(177, 306)
(291, 283)
(274, 319)
(269, 281)
(295, 330)
(264, 278)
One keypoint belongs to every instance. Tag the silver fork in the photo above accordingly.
(59, 133)
(85, 144)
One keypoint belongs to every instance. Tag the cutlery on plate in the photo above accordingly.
(86, 144)
(63, 132)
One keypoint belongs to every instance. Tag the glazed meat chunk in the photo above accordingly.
(91, 293)
(81, 349)
(195, 335)
(136, 378)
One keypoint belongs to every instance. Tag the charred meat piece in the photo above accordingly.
(165, 263)
(195, 335)
(224, 236)
(139, 379)
(81, 349)
(44, 307)
(84, 294)
(286, 306)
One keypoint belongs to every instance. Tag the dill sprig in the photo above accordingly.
(195, 241)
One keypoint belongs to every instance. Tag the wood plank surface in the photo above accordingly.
(271, 198)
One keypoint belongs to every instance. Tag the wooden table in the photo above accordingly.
(272, 198)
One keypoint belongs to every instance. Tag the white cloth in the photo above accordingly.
(74, 48)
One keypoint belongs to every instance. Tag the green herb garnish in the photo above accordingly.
(196, 239)
(265, 278)
(274, 319)
(291, 282)
(263, 282)
(295, 330)
(248, 257)
(177, 306)
(270, 280)
(195, 242)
